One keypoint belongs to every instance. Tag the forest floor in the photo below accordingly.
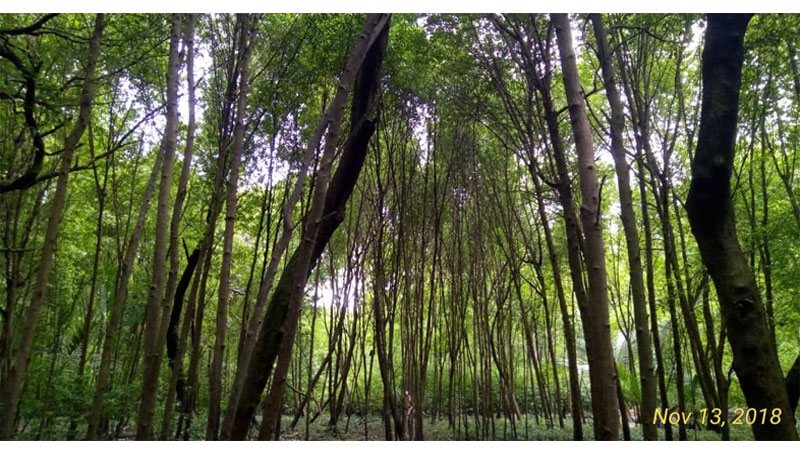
(353, 428)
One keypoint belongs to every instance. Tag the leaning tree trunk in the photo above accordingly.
(601, 369)
(118, 303)
(12, 386)
(365, 91)
(251, 334)
(711, 215)
(279, 321)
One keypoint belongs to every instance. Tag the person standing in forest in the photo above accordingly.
(408, 410)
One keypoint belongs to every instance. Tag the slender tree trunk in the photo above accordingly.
(89, 318)
(12, 386)
(177, 289)
(676, 345)
(569, 331)
(644, 350)
(641, 129)
(601, 368)
(247, 29)
(364, 91)
(572, 231)
(252, 332)
(764, 251)
(385, 362)
(156, 301)
(87, 323)
(626, 428)
(96, 415)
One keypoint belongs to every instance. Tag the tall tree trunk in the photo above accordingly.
(365, 89)
(87, 323)
(120, 296)
(247, 27)
(569, 330)
(711, 216)
(676, 343)
(255, 322)
(641, 130)
(176, 289)
(644, 350)
(601, 368)
(327, 211)
(89, 317)
(391, 410)
(157, 303)
(12, 386)
(565, 197)
(280, 319)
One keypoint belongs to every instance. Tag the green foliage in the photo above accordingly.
(444, 213)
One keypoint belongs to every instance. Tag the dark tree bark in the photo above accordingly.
(281, 245)
(176, 344)
(365, 89)
(280, 321)
(175, 315)
(793, 384)
(711, 214)
(30, 76)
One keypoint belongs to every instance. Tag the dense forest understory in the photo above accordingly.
(399, 226)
